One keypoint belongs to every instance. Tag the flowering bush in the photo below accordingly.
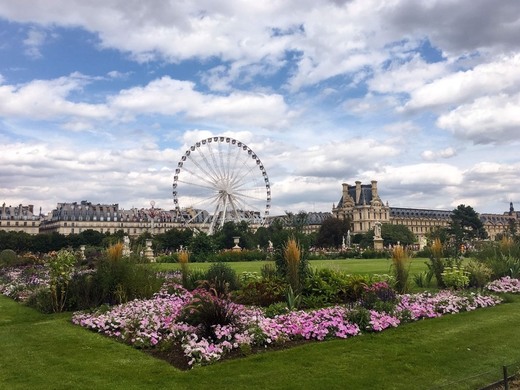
(21, 282)
(505, 284)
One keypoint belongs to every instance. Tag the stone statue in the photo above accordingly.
(377, 230)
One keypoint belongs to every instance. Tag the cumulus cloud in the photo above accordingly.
(167, 96)
(464, 86)
(407, 76)
(339, 159)
(487, 120)
(458, 27)
(431, 155)
(47, 99)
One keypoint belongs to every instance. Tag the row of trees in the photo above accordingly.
(465, 227)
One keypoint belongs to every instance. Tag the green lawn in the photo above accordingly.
(47, 352)
(354, 266)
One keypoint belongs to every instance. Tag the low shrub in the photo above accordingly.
(479, 274)
(112, 282)
(8, 258)
(194, 278)
(276, 309)
(263, 292)
(41, 300)
(222, 277)
(422, 279)
(455, 277)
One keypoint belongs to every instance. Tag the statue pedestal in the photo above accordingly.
(378, 244)
(148, 252)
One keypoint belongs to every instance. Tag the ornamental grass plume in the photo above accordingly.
(436, 265)
(436, 248)
(115, 252)
(183, 258)
(292, 255)
(506, 243)
(401, 269)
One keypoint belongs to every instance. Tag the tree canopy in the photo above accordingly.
(465, 225)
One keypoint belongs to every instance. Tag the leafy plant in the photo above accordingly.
(205, 311)
(223, 278)
(8, 258)
(422, 279)
(61, 266)
(436, 263)
(263, 292)
(293, 300)
(479, 273)
(455, 277)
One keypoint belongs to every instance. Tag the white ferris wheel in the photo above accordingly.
(220, 179)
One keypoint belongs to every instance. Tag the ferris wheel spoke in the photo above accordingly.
(209, 184)
(208, 166)
(246, 206)
(214, 160)
(208, 171)
(239, 181)
(242, 167)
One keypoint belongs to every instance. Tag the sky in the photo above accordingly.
(100, 99)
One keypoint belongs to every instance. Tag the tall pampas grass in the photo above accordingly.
(183, 258)
(401, 269)
(292, 255)
(115, 252)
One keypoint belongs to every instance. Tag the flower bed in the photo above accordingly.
(159, 323)
(505, 285)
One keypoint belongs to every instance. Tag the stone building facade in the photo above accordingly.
(74, 218)
(498, 224)
(362, 204)
(19, 219)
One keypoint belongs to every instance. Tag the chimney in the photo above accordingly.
(374, 189)
(345, 192)
(358, 191)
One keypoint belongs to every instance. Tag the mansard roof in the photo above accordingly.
(317, 218)
(401, 212)
(496, 219)
(365, 196)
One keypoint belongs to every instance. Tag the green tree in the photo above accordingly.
(465, 226)
(392, 234)
(224, 237)
(439, 233)
(174, 238)
(91, 237)
(332, 231)
(201, 246)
